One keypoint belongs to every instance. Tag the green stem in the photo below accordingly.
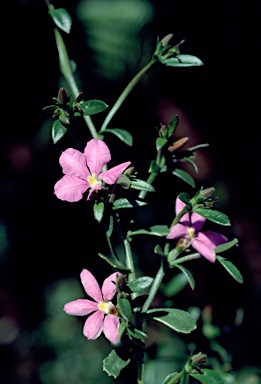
(154, 288)
(140, 373)
(150, 180)
(181, 260)
(176, 378)
(125, 93)
(66, 70)
(129, 263)
(179, 215)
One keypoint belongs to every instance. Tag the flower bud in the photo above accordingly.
(165, 41)
(63, 97)
(178, 144)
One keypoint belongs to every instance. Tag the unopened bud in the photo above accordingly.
(63, 96)
(165, 41)
(163, 131)
(178, 144)
(205, 193)
(124, 181)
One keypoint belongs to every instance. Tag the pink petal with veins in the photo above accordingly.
(80, 307)
(97, 155)
(178, 230)
(93, 326)
(70, 188)
(204, 246)
(197, 221)
(91, 285)
(109, 287)
(111, 327)
(111, 176)
(73, 163)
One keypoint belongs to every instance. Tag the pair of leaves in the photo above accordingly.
(207, 376)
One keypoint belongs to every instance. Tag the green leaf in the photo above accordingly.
(140, 284)
(125, 308)
(184, 176)
(137, 334)
(125, 203)
(175, 285)
(98, 210)
(142, 185)
(173, 125)
(58, 131)
(208, 377)
(188, 275)
(213, 215)
(158, 250)
(160, 142)
(113, 364)
(122, 134)
(154, 168)
(92, 107)
(231, 268)
(114, 262)
(176, 319)
(183, 61)
(224, 247)
(155, 230)
(184, 197)
(169, 378)
(61, 18)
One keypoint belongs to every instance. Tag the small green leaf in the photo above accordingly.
(184, 176)
(58, 131)
(208, 377)
(176, 319)
(184, 197)
(61, 18)
(183, 61)
(125, 308)
(160, 142)
(213, 215)
(125, 203)
(98, 210)
(140, 284)
(156, 230)
(175, 285)
(170, 377)
(224, 247)
(142, 185)
(154, 168)
(113, 364)
(231, 268)
(122, 134)
(188, 275)
(92, 107)
(159, 250)
(173, 125)
(137, 334)
(114, 262)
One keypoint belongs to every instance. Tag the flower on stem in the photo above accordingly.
(188, 230)
(83, 171)
(105, 314)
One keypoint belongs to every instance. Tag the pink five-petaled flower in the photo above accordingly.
(105, 314)
(84, 170)
(188, 228)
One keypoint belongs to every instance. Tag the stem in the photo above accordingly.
(186, 258)
(150, 180)
(141, 373)
(154, 288)
(179, 215)
(129, 263)
(176, 378)
(125, 93)
(66, 70)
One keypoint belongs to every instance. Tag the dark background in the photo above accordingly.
(44, 239)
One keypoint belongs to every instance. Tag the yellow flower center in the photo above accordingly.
(108, 308)
(93, 180)
(191, 232)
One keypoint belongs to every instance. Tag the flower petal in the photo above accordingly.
(93, 326)
(216, 238)
(197, 221)
(97, 155)
(111, 176)
(185, 219)
(73, 163)
(204, 246)
(80, 307)
(177, 231)
(91, 285)
(109, 287)
(70, 188)
(96, 188)
(111, 328)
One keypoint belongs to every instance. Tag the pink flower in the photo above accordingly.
(105, 315)
(188, 229)
(83, 171)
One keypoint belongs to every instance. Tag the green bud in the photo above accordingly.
(165, 41)
(63, 97)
